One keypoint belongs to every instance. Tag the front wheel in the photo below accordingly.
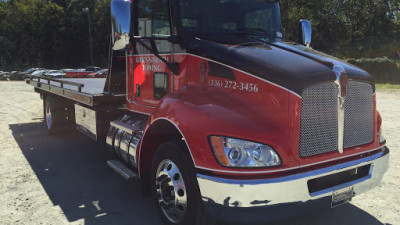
(175, 186)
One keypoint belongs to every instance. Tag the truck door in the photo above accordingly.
(151, 78)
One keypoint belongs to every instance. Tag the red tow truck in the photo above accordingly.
(220, 118)
(99, 74)
(82, 73)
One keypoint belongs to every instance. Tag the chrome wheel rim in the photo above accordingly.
(48, 116)
(171, 191)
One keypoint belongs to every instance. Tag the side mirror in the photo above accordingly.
(305, 32)
(121, 17)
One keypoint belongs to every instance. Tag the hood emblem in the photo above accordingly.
(341, 84)
(342, 80)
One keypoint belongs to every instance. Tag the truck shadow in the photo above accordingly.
(345, 215)
(72, 170)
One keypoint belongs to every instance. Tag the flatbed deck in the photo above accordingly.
(88, 91)
(93, 86)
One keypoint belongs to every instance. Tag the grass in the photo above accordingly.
(387, 86)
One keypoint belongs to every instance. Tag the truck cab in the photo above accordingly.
(261, 122)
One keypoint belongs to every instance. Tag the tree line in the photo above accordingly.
(347, 28)
(54, 33)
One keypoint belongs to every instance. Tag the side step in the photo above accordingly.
(122, 126)
(122, 170)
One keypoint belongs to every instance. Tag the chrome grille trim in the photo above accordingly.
(319, 116)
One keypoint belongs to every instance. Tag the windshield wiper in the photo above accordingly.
(269, 35)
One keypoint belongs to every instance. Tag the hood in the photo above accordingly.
(289, 65)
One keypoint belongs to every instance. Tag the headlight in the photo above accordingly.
(240, 153)
(381, 137)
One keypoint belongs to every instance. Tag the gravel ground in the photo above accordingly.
(65, 180)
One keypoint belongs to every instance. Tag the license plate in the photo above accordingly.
(342, 196)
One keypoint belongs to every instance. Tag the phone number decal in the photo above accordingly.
(249, 87)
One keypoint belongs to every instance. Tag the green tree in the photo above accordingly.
(347, 28)
(54, 33)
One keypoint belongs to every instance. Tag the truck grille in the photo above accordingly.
(319, 117)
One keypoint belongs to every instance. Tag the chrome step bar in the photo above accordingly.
(122, 170)
(122, 126)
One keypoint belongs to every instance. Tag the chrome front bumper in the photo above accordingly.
(220, 193)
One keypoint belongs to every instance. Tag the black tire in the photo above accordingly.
(53, 114)
(193, 213)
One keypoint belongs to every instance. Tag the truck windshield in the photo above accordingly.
(231, 21)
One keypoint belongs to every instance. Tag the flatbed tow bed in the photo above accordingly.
(82, 102)
(87, 91)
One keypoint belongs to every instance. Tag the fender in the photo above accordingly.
(198, 111)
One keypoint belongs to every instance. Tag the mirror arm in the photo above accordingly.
(154, 48)
(173, 67)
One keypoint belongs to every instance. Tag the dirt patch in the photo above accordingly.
(65, 180)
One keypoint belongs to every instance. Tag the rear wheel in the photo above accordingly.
(53, 114)
(175, 186)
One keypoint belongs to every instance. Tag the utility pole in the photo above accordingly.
(86, 10)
